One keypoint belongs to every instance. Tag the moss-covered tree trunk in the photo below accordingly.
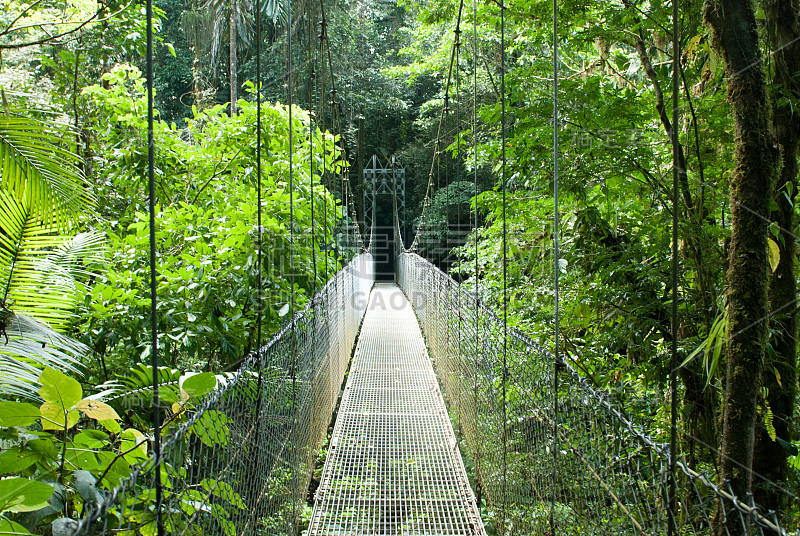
(780, 366)
(733, 29)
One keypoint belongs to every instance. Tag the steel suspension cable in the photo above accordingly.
(556, 271)
(457, 177)
(477, 267)
(322, 38)
(291, 161)
(153, 276)
(673, 374)
(395, 219)
(505, 245)
(427, 200)
(337, 127)
(311, 84)
(259, 318)
(294, 356)
(447, 190)
(438, 157)
(260, 252)
(458, 133)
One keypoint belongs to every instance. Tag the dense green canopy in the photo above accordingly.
(370, 80)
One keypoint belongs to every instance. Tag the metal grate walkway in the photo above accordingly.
(393, 464)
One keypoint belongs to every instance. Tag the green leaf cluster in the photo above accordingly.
(206, 227)
(63, 454)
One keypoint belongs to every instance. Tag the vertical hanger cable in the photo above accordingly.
(477, 233)
(505, 247)
(556, 270)
(294, 356)
(311, 84)
(153, 275)
(673, 377)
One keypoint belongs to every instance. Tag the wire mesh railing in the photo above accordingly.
(551, 454)
(241, 463)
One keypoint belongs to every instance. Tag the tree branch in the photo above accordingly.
(118, 456)
(647, 64)
(24, 11)
(16, 46)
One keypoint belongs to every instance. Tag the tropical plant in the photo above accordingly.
(43, 193)
(234, 19)
(38, 168)
(207, 228)
(59, 454)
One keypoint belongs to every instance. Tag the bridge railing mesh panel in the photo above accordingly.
(241, 463)
(566, 452)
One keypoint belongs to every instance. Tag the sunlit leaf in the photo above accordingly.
(99, 411)
(17, 414)
(774, 254)
(23, 495)
(59, 389)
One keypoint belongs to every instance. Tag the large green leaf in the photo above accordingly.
(59, 389)
(199, 385)
(23, 495)
(18, 414)
(11, 527)
(212, 428)
(16, 459)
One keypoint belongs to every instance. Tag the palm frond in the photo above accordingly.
(31, 347)
(36, 163)
(137, 386)
(218, 34)
(245, 24)
(25, 245)
(78, 259)
(275, 10)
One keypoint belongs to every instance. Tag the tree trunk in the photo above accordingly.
(361, 187)
(780, 366)
(233, 60)
(733, 29)
(197, 77)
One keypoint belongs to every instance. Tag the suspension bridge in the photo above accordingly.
(546, 452)
(427, 413)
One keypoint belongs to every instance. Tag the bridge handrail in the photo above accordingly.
(763, 521)
(347, 316)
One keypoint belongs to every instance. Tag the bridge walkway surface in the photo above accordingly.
(393, 466)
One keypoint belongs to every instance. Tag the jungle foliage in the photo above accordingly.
(616, 210)
(73, 251)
